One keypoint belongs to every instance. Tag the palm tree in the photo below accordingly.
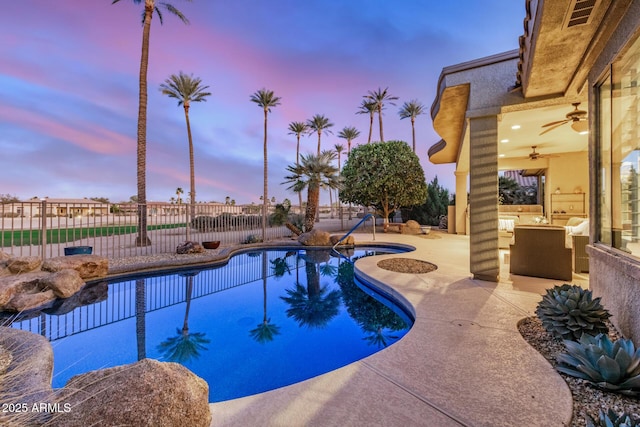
(380, 97)
(339, 149)
(266, 331)
(349, 133)
(149, 7)
(187, 89)
(297, 129)
(266, 100)
(319, 124)
(141, 323)
(412, 109)
(312, 173)
(368, 107)
(179, 191)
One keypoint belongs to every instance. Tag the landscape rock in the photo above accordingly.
(89, 266)
(63, 283)
(349, 241)
(4, 256)
(27, 379)
(24, 264)
(89, 294)
(412, 227)
(23, 301)
(314, 238)
(14, 284)
(190, 248)
(145, 393)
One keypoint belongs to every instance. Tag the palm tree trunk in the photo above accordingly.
(142, 238)
(313, 198)
(380, 122)
(319, 142)
(413, 132)
(330, 204)
(298, 164)
(264, 199)
(370, 128)
(192, 177)
(140, 319)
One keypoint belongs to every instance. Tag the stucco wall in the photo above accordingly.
(616, 278)
(568, 172)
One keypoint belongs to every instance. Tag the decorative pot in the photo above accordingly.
(78, 250)
(211, 245)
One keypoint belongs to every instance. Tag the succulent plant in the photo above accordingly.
(611, 366)
(611, 419)
(568, 311)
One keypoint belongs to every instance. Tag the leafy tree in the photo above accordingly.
(297, 129)
(368, 107)
(435, 205)
(412, 109)
(512, 193)
(149, 7)
(266, 100)
(319, 124)
(385, 175)
(312, 173)
(95, 199)
(187, 89)
(379, 98)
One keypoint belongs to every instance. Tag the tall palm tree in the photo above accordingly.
(368, 107)
(412, 109)
(187, 89)
(297, 129)
(339, 149)
(349, 133)
(149, 7)
(266, 100)
(319, 124)
(380, 97)
(179, 191)
(312, 173)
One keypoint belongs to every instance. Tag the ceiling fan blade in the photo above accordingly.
(554, 126)
(556, 123)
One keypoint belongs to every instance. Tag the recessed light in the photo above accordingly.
(501, 155)
(514, 127)
(584, 132)
(504, 141)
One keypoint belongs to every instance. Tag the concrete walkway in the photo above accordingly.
(463, 363)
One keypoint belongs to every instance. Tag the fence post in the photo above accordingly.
(43, 229)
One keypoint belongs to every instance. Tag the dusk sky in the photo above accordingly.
(69, 86)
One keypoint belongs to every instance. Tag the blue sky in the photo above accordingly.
(69, 86)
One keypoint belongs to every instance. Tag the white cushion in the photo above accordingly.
(506, 224)
(581, 229)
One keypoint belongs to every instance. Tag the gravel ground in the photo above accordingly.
(407, 265)
(586, 398)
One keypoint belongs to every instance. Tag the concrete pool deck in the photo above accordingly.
(463, 363)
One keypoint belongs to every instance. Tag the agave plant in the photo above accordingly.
(568, 311)
(610, 366)
(611, 419)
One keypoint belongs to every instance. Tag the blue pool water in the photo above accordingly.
(264, 320)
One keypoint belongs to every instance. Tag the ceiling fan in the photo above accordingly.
(577, 118)
(534, 155)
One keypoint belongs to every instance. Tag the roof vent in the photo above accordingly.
(579, 12)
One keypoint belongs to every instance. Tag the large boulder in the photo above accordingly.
(63, 283)
(412, 227)
(25, 301)
(145, 393)
(348, 241)
(15, 284)
(89, 266)
(190, 248)
(89, 294)
(314, 238)
(24, 264)
(27, 379)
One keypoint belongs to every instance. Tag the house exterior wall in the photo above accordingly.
(614, 274)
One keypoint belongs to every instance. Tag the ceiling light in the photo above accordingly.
(514, 127)
(580, 126)
(584, 132)
(501, 155)
(504, 141)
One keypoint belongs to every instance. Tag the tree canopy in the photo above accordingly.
(385, 175)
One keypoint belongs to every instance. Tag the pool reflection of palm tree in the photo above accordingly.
(313, 306)
(185, 345)
(141, 311)
(266, 331)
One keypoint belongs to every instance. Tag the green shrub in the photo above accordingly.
(568, 311)
(252, 238)
(611, 419)
(608, 366)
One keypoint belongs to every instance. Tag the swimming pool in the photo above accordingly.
(264, 320)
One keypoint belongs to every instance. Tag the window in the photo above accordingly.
(619, 153)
